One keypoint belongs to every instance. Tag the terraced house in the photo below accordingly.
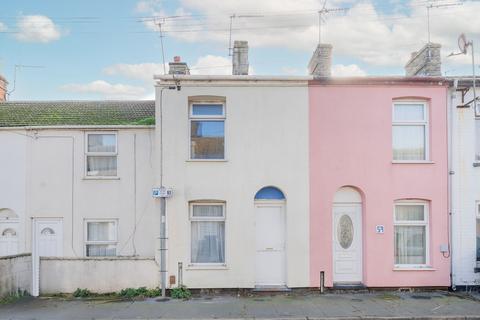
(270, 182)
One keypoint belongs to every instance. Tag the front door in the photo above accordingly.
(347, 243)
(270, 243)
(49, 237)
(8, 238)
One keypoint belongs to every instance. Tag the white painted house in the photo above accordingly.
(76, 181)
(465, 184)
(235, 152)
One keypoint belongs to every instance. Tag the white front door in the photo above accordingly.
(270, 243)
(49, 237)
(8, 238)
(347, 243)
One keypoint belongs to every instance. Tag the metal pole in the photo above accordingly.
(163, 246)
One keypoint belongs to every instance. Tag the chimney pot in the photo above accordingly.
(177, 66)
(425, 62)
(240, 58)
(321, 62)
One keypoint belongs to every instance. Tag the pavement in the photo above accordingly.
(307, 306)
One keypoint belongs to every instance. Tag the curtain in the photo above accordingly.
(100, 231)
(101, 143)
(207, 211)
(101, 250)
(477, 141)
(409, 142)
(409, 213)
(208, 242)
(102, 165)
(478, 242)
(410, 245)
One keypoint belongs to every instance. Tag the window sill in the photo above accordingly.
(419, 268)
(412, 162)
(100, 178)
(206, 267)
(206, 160)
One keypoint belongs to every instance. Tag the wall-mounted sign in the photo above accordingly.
(380, 228)
(162, 192)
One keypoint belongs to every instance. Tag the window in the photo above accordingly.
(207, 233)
(101, 238)
(207, 131)
(477, 140)
(478, 235)
(411, 233)
(410, 131)
(101, 154)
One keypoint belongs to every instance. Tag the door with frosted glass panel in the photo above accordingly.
(347, 243)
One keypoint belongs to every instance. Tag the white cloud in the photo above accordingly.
(3, 27)
(107, 90)
(141, 71)
(291, 71)
(351, 70)
(371, 35)
(210, 65)
(37, 28)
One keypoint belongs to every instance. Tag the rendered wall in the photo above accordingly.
(351, 145)
(15, 274)
(465, 192)
(43, 176)
(266, 144)
(100, 275)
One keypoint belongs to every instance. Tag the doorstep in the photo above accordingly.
(349, 286)
(271, 289)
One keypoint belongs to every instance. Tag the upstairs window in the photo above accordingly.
(411, 233)
(101, 154)
(410, 131)
(477, 140)
(207, 131)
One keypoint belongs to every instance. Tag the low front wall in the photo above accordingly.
(99, 275)
(15, 274)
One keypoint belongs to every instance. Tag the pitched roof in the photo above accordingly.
(64, 113)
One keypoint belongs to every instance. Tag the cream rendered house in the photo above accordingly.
(76, 178)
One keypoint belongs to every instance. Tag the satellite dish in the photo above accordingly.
(462, 43)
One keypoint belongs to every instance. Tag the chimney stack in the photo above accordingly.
(321, 62)
(240, 58)
(3, 89)
(425, 62)
(177, 66)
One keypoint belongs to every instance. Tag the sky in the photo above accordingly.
(110, 49)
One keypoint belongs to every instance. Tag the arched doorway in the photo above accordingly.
(347, 237)
(270, 236)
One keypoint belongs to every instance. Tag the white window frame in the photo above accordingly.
(217, 118)
(477, 217)
(100, 154)
(425, 122)
(223, 219)
(103, 242)
(425, 223)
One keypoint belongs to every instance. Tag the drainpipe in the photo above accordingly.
(451, 172)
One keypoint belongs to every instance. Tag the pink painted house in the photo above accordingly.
(378, 182)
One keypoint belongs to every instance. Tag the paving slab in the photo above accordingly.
(359, 306)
